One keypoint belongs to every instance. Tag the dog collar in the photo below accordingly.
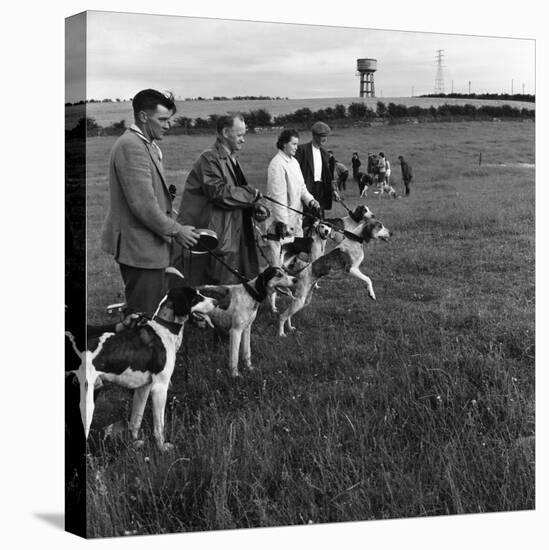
(174, 328)
(352, 236)
(271, 237)
(253, 292)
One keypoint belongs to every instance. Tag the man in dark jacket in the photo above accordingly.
(218, 197)
(355, 162)
(313, 159)
(407, 175)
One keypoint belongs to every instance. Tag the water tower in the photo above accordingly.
(366, 68)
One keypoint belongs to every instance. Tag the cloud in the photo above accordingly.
(197, 56)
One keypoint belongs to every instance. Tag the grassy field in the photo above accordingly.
(419, 404)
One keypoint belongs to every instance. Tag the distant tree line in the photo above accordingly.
(508, 97)
(85, 101)
(360, 112)
(199, 98)
(339, 115)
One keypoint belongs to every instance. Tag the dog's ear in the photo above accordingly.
(369, 228)
(220, 293)
(264, 277)
(182, 299)
(261, 281)
(358, 213)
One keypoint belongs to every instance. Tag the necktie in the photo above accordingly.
(240, 179)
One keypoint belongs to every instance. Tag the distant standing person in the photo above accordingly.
(355, 163)
(382, 168)
(217, 197)
(286, 185)
(139, 229)
(370, 166)
(387, 168)
(341, 173)
(407, 175)
(314, 162)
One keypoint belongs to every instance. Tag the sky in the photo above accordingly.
(218, 57)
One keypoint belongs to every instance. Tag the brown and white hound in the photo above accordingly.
(350, 222)
(310, 247)
(346, 256)
(238, 306)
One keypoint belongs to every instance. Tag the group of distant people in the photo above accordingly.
(378, 168)
(145, 233)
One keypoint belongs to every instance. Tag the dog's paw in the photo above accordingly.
(372, 296)
(165, 447)
(250, 367)
(138, 444)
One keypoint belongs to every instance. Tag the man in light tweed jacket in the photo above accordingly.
(139, 229)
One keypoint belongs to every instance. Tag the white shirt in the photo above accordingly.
(317, 163)
(285, 184)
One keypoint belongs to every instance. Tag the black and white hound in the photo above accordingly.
(238, 306)
(346, 256)
(311, 245)
(350, 222)
(142, 359)
(277, 234)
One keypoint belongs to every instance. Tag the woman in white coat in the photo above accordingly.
(286, 185)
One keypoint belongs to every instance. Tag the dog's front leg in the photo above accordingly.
(246, 347)
(140, 396)
(286, 318)
(272, 302)
(159, 394)
(235, 337)
(355, 272)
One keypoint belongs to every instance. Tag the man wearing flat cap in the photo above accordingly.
(314, 160)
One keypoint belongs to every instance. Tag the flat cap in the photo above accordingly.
(320, 128)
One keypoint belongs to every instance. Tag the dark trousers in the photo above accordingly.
(342, 181)
(143, 288)
(407, 186)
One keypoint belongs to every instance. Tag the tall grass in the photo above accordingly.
(419, 404)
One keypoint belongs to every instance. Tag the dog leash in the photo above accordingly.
(349, 211)
(290, 208)
(244, 280)
(344, 232)
(257, 233)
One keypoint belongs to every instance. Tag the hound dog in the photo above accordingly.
(237, 310)
(278, 234)
(346, 256)
(387, 189)
(312, 244)
(350, 222)
(142, 359)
